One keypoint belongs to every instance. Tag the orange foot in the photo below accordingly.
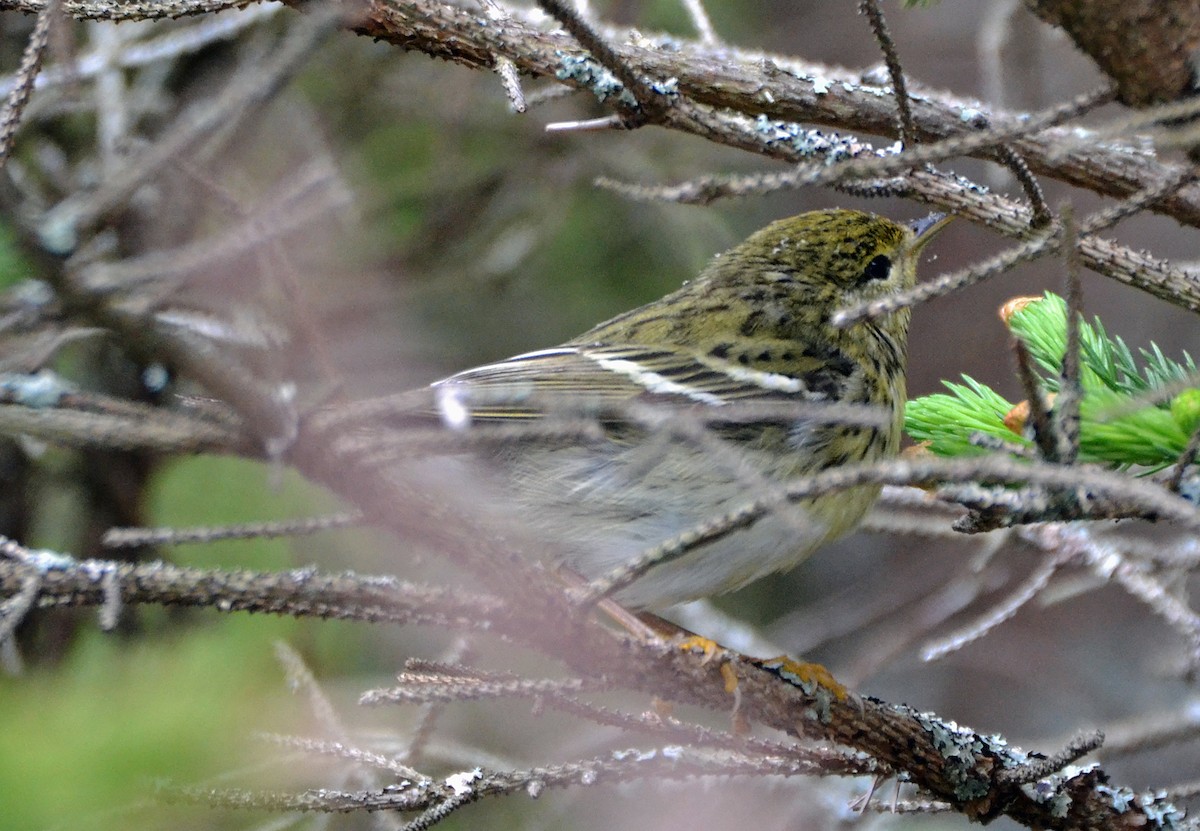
(710, 648)
(805, 675)
(693, 642)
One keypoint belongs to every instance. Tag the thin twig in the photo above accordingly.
(1042, 215)
(1078, 747)
(431, 712)
(1083, 486)
(1045, 432)
(1070, 392)
(700, 21)
(186, 39)
(63, 227)
(510, 79)
(136, 537)
(1139, 201)
(31, 63)
(1108, 561)
(837, 159)
(1186, 459)
(905, 126)
(1026, 591)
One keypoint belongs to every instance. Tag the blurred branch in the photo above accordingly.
(1108, 560)
(268, 409)
(186, 39)
(122, 426)
(1147, 47)
(981, 776)
(116, 12)
(440, 798)
(134, 537)
(22, 88)
(65, 581)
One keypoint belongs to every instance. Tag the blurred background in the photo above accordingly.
(444, 231)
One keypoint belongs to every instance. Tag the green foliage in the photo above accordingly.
(949, 421)
(13, 265)
(213, 490)
(1106, 360)
(1117, 424)
(84, 741)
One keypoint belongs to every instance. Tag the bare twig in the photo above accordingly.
(1042, 215)
(700, 21)
(1186, 459)
(64, 226)
(905, 128)
(1076, 749)
(1070, 393)
(998, 614)
(137, 427)
(136, 537)
(1045, 430)
(31, 63)
(1109, 562)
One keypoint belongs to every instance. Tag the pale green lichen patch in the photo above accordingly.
(813, 144)
(584, 71)
(1052, 791)
(1122, 799)
(1159, 810)
(968, 757)
(962, 751)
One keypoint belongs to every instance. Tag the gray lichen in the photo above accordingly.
(586, 72)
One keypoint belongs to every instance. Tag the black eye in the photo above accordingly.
(878, 269)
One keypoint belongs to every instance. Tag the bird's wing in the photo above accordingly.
(599, 379)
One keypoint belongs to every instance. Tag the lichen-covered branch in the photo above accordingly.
(780, 88)
(722, 77)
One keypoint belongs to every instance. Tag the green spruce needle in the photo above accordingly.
(1123, 423)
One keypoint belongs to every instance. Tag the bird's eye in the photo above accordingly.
(878, 269)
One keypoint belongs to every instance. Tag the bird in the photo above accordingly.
(700, 403)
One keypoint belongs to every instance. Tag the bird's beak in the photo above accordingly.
(927, 228)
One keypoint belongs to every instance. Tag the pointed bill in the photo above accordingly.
(926, 228)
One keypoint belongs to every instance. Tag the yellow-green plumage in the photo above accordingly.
(753, 328)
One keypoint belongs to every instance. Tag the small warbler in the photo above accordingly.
(753, 330)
